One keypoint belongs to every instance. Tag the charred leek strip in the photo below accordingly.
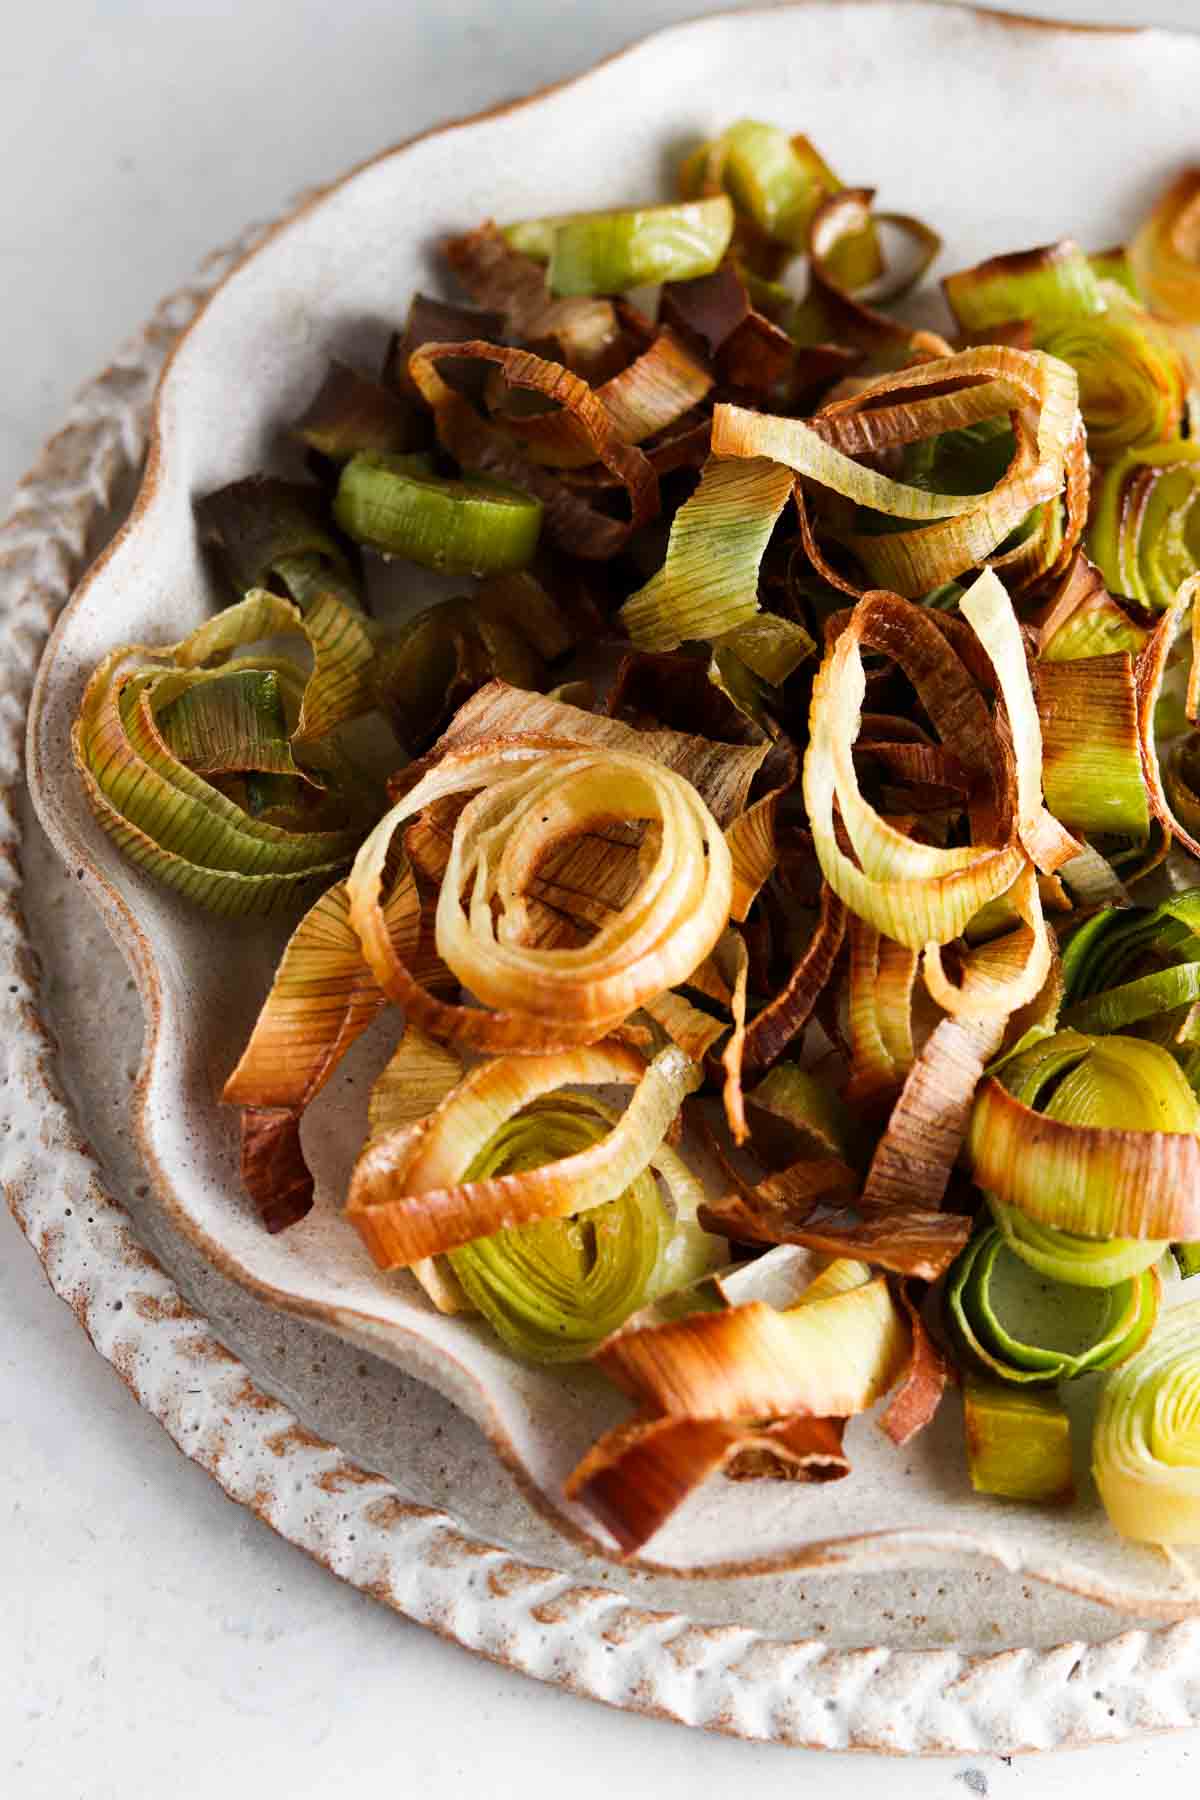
(396, 504)
(1146, 1447)
(1024, 1329)
(611, 252)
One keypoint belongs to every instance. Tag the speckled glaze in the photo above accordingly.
(729, 1657)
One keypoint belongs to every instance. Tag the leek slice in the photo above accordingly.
(611, 252)
(1146, 1446)
(1065, 1164)
(1018, 1443)
(397, 505)
(1024, 1328)
(555, 1289)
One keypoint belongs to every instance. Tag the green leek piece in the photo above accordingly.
(1134, 966)
(1144, 535)
(556, 1289)
(1091, 753)
(1023, 1328)
(1187, 1256)
(464, 527)
(1146, 1443)
(1018, 1443)
(1131, 377)
(611, 252)
(1048, 286)
(223, 781)
(708, 585)
(1079, 1262)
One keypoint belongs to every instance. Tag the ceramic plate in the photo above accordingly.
(959, 116)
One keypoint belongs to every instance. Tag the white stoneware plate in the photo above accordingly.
(963, 117)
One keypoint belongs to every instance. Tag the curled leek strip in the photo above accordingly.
(611, 252)
(555, 1289)
(660, 907)
(1063, 1162)
(216, 773)
(1079, 1262)
(1145, 520)
(1131, 377)
(1024, 1329)
(415, 1194)
(708, 585)
(396, 504)
(1146, 1448)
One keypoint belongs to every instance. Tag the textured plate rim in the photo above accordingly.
(414, 1558)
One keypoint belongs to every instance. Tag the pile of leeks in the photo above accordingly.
(778, 1019)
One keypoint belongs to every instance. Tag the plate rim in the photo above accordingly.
(42, 549)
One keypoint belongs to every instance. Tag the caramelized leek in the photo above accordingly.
(217, 773)
(1065, 1164)
(1018, 1443)
(1022, 1327)
(398, 505)
(611, 252)
(1146, 1446)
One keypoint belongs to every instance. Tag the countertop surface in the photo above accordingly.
(156, 1638)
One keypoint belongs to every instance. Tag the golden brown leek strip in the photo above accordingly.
(322, 998)
(641, 1472)
(916, 1243)
(827, 1360)
(915, 893)
(407, 1197)
(1093, 766)
(1094, 1181)
(928, 1125)
(956, 532)
(652, 393)
(532, 798)
(882, 976)
(922, 1385)
(484, 447)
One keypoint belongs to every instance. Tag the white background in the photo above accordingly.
(154, 1638)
